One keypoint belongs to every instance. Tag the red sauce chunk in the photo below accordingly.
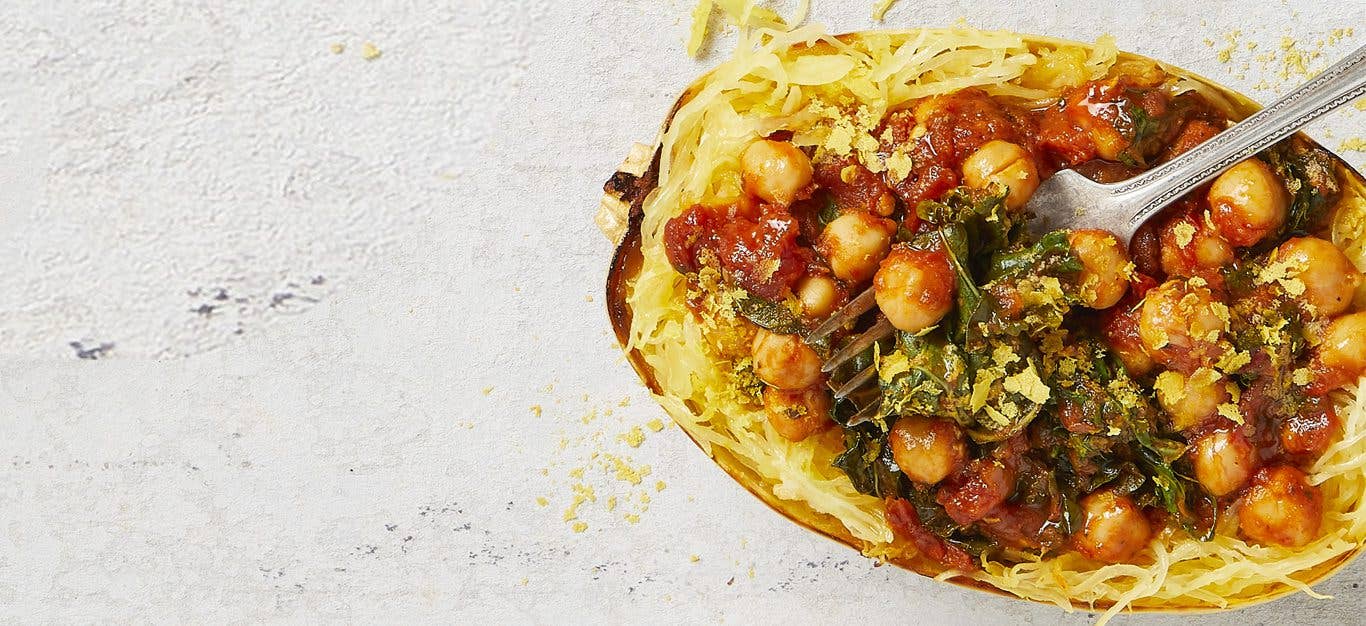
(905, 523)
(763, 257)
(977, 489)
(863, 191)
(688, 234)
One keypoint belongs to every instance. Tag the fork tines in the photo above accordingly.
(861, 304)
(880, 330)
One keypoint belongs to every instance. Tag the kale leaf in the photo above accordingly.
(867, 460)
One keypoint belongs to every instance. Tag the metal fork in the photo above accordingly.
(1069, 200)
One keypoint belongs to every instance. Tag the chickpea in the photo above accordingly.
(1191, 400)
(785, 361)
(1311, 430)
(1188, 245)
(1181, 324)
(927, 449)
(915, 288)
(775, 170)
(1247, 203)
(1006, 164)
(1104, 261)
(1330, 280)
(818, 295)
(798, 414)
(1119, 324)
(1280, 507)
(1340, 358)
(1223, 460)
(854, 243)
(1113, 529)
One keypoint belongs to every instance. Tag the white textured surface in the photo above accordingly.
(309, 269)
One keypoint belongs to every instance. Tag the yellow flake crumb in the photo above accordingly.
(1233, 360)
(580, 526)
(369, 51)
(694, 558)
(1028, 384)
(655, 425)
(625, 472)
(536, 410)
(1185, 234)
(899, 165)
(659, 486)
(488, 390)
(1231, 412)
(576, 472)
(1354, 144)
(632, 518)
(611, 503)
(625, 402)
(542, 501)
(1170, 387)
(633, 437)
(337, 48)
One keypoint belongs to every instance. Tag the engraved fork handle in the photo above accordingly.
(1151, 191)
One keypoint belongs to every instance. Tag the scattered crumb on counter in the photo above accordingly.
(633, 437)
(655, 425)
(1354, 144)
(337, 48)
(488, 390)
(625, 472)
(694, 558)
(369, 51)
(542, 501)
(580, 526)
(582, 494)
(1226, 53)
(536, 410)
(659, 486)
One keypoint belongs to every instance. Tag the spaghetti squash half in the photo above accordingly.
(1172, 424)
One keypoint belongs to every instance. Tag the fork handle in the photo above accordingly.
(1158, 187)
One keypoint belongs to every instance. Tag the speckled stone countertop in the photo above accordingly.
(300, 315)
